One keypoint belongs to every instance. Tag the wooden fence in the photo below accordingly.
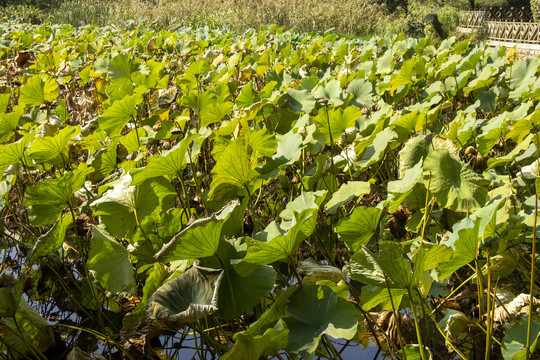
(472, 19)
(475, 19)
(505, 27)
(523, 14)
(522, 32)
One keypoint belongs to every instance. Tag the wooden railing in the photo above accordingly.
(503, 24)
(523, 14)
(475, 19)
(472, 19)
(520, 32)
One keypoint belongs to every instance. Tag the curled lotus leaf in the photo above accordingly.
(187, 298)
(419, 147)
(453, 183)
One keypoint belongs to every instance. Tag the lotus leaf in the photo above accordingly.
(187, 298)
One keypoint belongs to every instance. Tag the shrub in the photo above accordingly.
(535, 7)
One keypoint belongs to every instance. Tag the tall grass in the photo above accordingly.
(352, 17)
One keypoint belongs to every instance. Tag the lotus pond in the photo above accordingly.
(203, 194)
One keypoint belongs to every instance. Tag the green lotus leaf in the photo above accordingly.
(454, 184)
(372, 297)
(198, 240)
(514, 342)
(414, 352)
(156, 276)
(419, 147)
(5, 188)
(122, 207)
(488, 100)
(482, 80)
(246, 98)
(187, 298)
(375, 151)
(38, 90)
(468, 234)
(233, 170)
(491, 133)
(313, 272)
(264, 142)
(362, 91)
(239, 293)
(254, 347)
(334, 121)
(300, 100)
(131, 141)
(314, 311)
(271, 317)
(15, 152)
(110, 264)
(46, 200)
(405, 125)
(425, 260)
(465, 242)
(52, 240)
(405, 75)
(10, 296)
(104, 162)
(522, 72)
(390, 261)
(25, 333)
(455, 324)
(385, 64)
(289, 150)
(358, 229)
(119, 88)
(53, 149)
(119, 114)
(170, 162)
(215, 112)
(395, 264)
(277, 244)
(411, 177)
(9, 122)
(330, 91)
(510, 156)
(345, 193)
(309, 201)
(401, 189)
(121, 66)
(4, 102)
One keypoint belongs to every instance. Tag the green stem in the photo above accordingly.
(426, 210)
(229, 282)
(188, 202)
(398, 319)
(139, 225)
(293, 266)
(30, 346)
(416, 324)
(488, 310)
(533, 260)
(86, 272)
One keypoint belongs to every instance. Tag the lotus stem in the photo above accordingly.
(416, 324)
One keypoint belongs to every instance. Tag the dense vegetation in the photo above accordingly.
(350, 17)
(272, 194)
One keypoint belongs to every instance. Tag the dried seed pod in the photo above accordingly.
(479, 163)
(470, 151)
